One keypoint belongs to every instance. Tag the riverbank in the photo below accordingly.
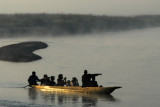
(13, 25)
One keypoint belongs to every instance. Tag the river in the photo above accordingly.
(130, 59)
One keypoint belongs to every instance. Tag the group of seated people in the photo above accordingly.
(88, 80)
(50, 81)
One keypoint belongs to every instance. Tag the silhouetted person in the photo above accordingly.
(68, 83)
(86, 78)
(74, 82)
(93, 83)
(60, 80)
(45, 80)
(32, 80)
(52, 82)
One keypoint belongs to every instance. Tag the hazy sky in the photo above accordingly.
(101, 7)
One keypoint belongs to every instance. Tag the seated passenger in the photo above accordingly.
(61, 81)
(45, 80)
(52, 82)
(74, 82)
(68, 83)
(93, 83)
(32, 80)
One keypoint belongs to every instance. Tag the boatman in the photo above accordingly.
(86, 78)
(32, 80)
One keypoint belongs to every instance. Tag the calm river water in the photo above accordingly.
(130, 59)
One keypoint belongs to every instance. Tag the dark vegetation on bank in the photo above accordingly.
(59, 24)
(21, 52)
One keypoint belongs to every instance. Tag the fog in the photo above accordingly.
(128, 58)
(115, 54)
(99, 7)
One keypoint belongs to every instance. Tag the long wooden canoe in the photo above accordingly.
(64, 89)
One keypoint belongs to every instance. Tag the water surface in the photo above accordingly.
(129, 59)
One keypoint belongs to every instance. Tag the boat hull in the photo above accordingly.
(63, 89)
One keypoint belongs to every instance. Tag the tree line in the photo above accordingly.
(61, 24)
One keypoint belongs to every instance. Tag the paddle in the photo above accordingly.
(21, 87)
(26, 86)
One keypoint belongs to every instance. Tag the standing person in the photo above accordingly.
(61, 81)
(32, 80)
(45, 80)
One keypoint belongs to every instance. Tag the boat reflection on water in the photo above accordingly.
(32, 93)
(84, 99)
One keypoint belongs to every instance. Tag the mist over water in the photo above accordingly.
(129, 59)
